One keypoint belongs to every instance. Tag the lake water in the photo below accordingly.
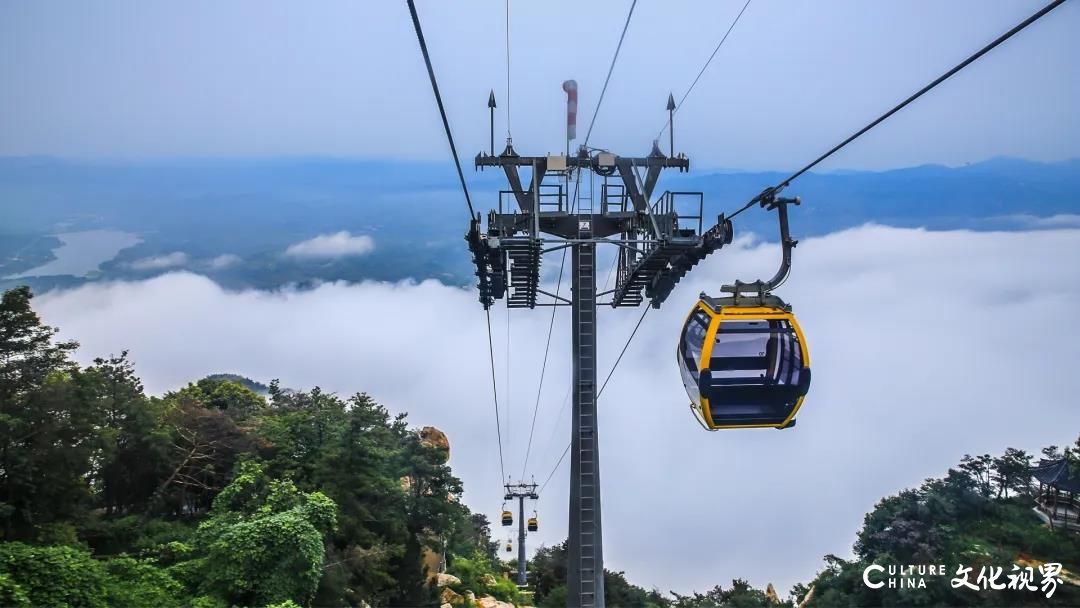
(81, 253)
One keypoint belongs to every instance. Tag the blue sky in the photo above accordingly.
(137, 79)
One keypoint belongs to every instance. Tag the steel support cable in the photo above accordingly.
(555, 468)
(438, 100)
(507, 400)
(623, 352)
(940, 79)
(577, 189)
(472, 213)
(558, 418)
(706, 66)
(603, 90)
(495, 395)
(602, 387)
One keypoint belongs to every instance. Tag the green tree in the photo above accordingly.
(12, 594)
(1072, 454)
(28, 352)
(263, 541)
(548, 567)
(740, 595)
(133, 449)
(230, 396)
(138, 582)
(360, 467)
(471, 533)
(431, 497)
(55, 576)
(39, 411)
(981, 470)
(951, 520)
(1012, 472)
(204, 446)
(620, 592)
(297, 429)
(1052, 452)
(548, 572)
(902, 527)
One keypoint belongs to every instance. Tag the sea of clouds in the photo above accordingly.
(924, 345)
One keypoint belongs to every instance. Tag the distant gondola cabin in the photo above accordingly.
(743, 366)
(507, 518)
(533, 524)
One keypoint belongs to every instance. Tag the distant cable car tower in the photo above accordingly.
(658, 244)
(521, 491)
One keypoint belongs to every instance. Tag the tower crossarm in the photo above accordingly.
(586, 162)
(602, 163)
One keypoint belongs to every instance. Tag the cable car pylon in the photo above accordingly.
(658, 244)
(521, 491)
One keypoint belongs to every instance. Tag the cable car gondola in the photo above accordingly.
(743, 358)
(509, 546)
(507, 518)
(533, 525)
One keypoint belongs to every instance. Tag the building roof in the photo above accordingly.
(1056, 473)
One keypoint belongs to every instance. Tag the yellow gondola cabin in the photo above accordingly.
(744, 366)
(743, 358)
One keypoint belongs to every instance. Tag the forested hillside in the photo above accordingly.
(211, 495)
(979, 516)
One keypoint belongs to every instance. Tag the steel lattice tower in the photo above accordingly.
(657, 244)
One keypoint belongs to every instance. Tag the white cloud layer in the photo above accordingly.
(175, 259)
(225, 260)
(925, 345)
(329, 246)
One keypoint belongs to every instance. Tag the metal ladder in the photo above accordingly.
(587, 426)
(589, 592)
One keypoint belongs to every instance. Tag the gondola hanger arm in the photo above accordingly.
(762, 289)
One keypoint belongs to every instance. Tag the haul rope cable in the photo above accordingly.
(940, 79)
(442, 110)
(774, 190)
(495, 395)
(507, 393)
(468, 201)
(506, 389)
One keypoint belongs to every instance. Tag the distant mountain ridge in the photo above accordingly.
(989, 195)
(198, 214)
